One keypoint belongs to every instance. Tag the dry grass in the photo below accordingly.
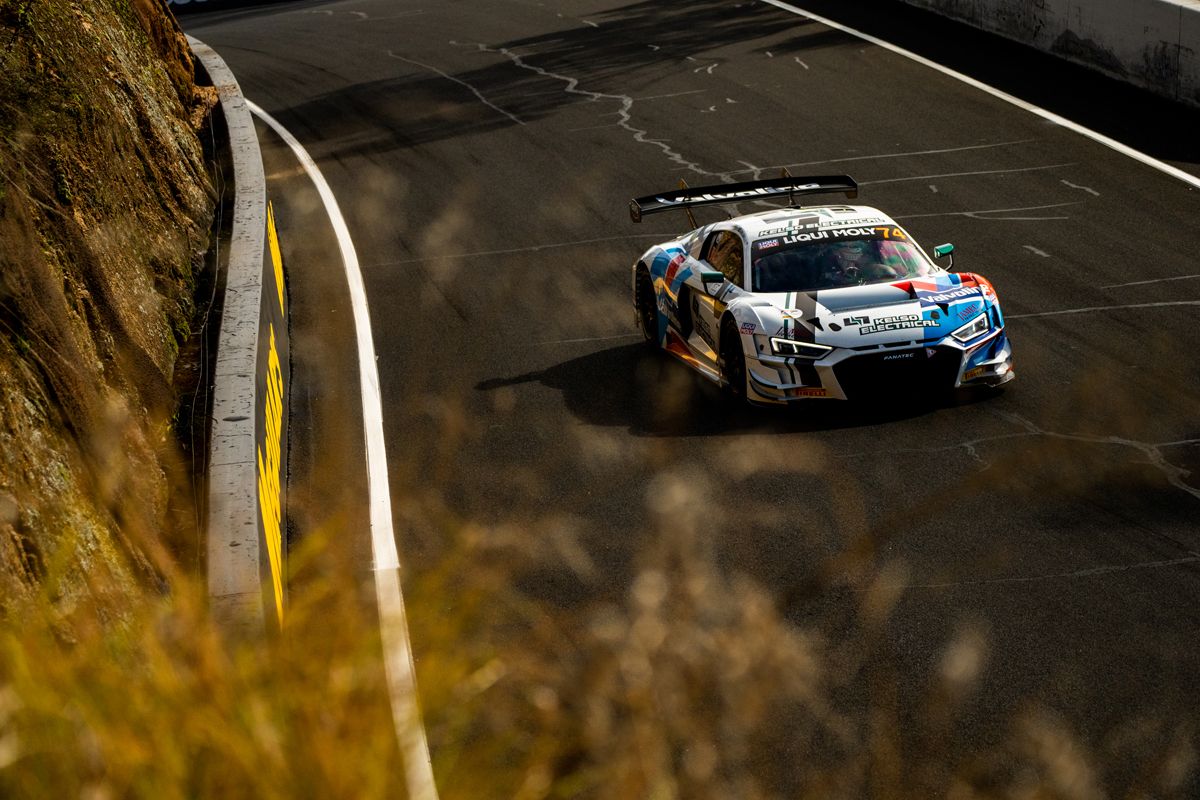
(686, 680)
(688, 685)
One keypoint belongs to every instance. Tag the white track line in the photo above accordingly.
(1090, 309)
(393, 624)
(1153, 280)
(1112, 144)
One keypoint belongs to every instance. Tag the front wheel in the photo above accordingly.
(733, 359)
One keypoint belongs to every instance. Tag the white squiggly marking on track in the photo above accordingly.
(624, 113)
(1087, 189)
(1153, 451)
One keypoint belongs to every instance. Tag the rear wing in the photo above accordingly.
(686, 198)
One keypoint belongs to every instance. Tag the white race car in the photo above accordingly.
(832, 301)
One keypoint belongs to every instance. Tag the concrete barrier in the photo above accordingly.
(1154, 44)
(245, 525)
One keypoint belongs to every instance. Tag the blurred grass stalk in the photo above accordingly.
(687, 682)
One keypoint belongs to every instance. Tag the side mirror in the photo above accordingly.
(943, 250)
(712, 280)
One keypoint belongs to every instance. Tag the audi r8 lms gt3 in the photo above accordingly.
(833, 301)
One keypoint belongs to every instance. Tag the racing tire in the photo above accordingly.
(646, 309)
(732, 360)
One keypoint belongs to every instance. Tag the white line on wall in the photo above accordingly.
(1100, 138)
(393, 623)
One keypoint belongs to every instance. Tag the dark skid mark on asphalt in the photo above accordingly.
(605, 59)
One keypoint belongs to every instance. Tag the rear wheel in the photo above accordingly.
(733, 359)
(646, 308)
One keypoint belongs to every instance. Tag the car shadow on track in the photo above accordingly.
(651, 394)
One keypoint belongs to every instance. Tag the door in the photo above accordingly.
(724, 252)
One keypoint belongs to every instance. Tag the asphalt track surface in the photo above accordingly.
(484, 154)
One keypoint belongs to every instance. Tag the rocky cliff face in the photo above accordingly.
(105, 205)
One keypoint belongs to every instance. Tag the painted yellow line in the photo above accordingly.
(393, 622)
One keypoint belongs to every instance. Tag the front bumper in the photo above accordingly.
(908, 369)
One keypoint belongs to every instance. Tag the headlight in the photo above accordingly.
(974, 328)
(787, 347)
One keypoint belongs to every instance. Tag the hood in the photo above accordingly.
(927, 309)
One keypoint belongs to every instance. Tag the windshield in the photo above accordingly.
(809, 261)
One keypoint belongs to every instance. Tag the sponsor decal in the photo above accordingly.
(971, 374)
(989, 292)
(721, 196)
(896, 323)
(815, 236)
(899, 356)
(669, 309)
(791, 227)
(831, 223)
(796, 334)
(805, 237)
(673, 267)
(949, 296)
(704, 330)
(811, 392)
(748, 328)
(969, 311)
(763, 244)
